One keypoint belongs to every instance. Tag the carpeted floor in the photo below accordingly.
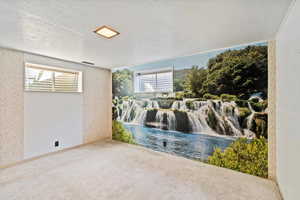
(113, 170)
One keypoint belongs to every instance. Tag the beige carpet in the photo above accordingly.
(112, 170)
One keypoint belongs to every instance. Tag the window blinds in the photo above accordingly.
(44, 79)
(154, 82)
(164, 81)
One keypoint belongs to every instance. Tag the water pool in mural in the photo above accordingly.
(215, 109)
(192, 145)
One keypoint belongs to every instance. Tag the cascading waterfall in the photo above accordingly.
(195, 122)
(251, 116)
(132, 112)
(126, 109)
(140, 116)
(159, 119)
(230, 111)
(171, 119)
(210, 117)
(198, 117)
(179, 105)
(165, 119)
(199, 104)
(152, 104)
(176, 105)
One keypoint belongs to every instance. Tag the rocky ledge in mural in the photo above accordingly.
(216, 117)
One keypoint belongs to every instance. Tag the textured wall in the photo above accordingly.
(96, 105)
(11, 106)
(272, 109)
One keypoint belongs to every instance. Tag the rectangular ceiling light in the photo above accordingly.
(106, 32)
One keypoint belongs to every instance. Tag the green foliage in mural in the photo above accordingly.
(208, 96)
(259, 106)
(260, 124)
(179, 78)
(228, 97)
(245, 156)
(189, 104)
(238, 72)
(193, 83)
(178, 84)
(120, 133)
(179, 95)
(122, 83)
(241, 103)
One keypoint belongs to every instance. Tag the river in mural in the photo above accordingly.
(192, 145)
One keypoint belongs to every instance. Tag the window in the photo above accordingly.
(52, 79)
(154, 81)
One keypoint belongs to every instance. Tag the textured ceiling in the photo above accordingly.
(150, 29)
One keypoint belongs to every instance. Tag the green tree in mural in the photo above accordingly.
(193, 83)
(122, 83)
(248, 156)
(179, 78)
(239, 72)
(236, 72)
(178, 85)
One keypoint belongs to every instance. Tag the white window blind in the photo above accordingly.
(164, 81)
(48, 79)
(154, 82)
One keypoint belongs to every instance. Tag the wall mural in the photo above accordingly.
(215, 111)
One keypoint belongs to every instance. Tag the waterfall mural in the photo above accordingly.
(215, 110)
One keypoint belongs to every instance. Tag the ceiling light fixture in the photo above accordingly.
(106, 32)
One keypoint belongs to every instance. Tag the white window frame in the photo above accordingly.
(161, 70)
(54, 69)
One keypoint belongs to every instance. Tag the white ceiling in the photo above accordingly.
(150, 29)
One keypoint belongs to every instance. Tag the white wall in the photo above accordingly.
(288, 107)
(49, 117)
(69, 118)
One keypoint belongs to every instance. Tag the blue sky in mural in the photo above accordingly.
(200, 59)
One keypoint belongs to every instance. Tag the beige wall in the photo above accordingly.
(97, 106)
(11, 107)
(24, 133)
(272, 109)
